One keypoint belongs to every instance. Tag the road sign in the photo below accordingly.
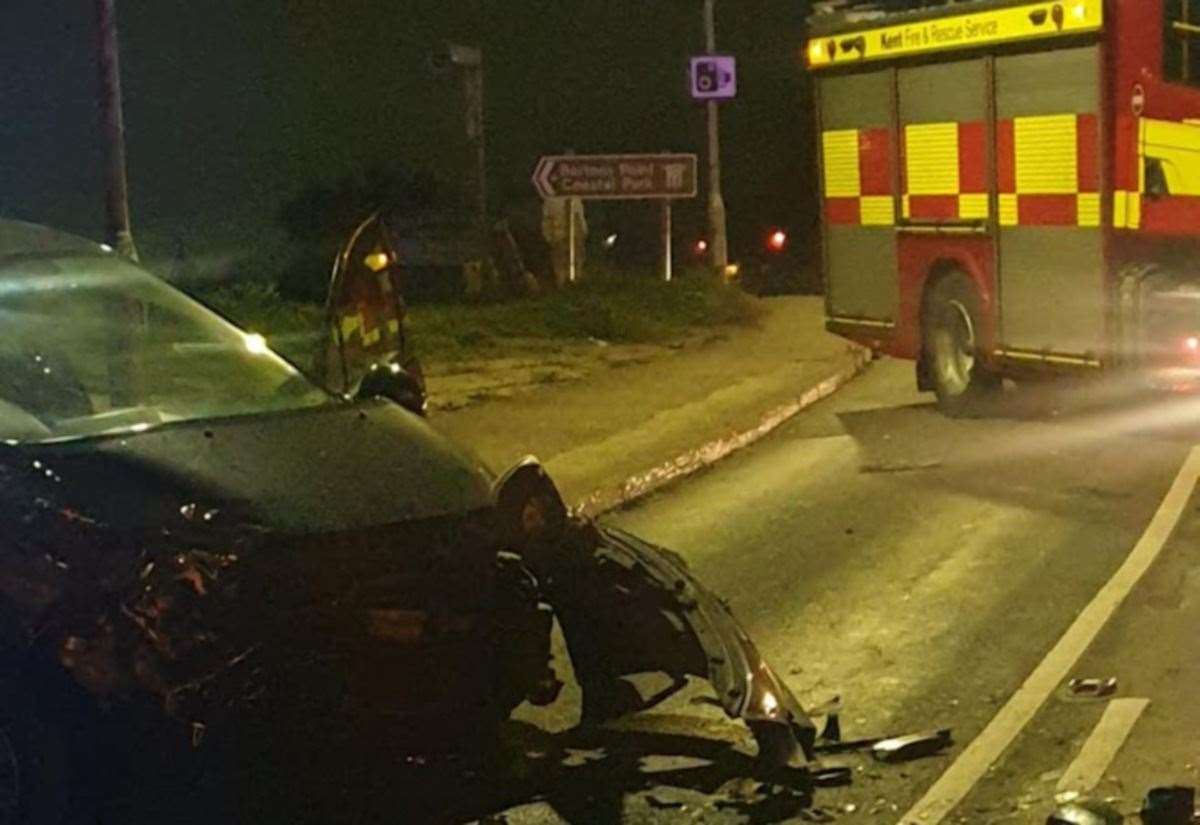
(714, 77)
(616, 177)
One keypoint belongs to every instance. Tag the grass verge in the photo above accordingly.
(618, 307)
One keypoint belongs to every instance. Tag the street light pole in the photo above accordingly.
(112, 123)
(716, 201)
(468, 62)
(472, 68)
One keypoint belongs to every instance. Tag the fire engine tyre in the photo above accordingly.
(951, 347)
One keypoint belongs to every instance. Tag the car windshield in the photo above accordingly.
(93, 345)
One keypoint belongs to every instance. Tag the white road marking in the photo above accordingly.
(1101, 748)
(958, 780)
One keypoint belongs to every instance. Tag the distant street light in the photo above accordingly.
(118, 232)
(716, 201)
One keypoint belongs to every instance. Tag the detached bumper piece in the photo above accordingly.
(629, 607)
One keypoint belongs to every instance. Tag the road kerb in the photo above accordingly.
(643, 483)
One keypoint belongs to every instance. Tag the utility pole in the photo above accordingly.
(118, 233)
(468, 60)
(473, 86)
(716, 201)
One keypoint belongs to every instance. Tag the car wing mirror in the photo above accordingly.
(396, 384)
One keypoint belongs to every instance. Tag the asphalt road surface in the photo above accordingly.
(933, 574)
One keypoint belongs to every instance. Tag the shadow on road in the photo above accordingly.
(582, 776)
(588, 776)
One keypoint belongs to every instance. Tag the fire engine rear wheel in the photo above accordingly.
(951, 347)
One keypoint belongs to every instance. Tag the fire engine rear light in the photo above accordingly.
(816, 51)
(1080, 11)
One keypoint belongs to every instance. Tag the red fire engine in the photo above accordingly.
(1013, 187)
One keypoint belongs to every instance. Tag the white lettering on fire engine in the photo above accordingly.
(939, 34)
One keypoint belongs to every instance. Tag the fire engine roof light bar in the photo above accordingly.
(927, 35)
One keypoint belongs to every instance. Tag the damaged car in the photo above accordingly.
(200, 536)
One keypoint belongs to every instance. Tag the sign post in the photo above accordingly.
(666, 239)
(661, 177)
(572, 266)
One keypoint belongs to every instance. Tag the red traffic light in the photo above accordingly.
(701, 246)
(777, 240)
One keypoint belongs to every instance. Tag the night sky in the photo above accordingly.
(232, 106)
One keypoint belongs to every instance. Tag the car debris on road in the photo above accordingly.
(1086, 812)
(1170, 805)
(1092, 688)
(914, 746)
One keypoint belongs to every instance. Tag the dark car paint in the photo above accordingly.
(338, 467)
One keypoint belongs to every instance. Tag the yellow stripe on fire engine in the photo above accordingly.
(960, 31)
(1127, 210)
(1008, 209)
(931, 158)
(877, 210)
(1087, 209)
(1047, 159)
(1127, 206)
(842, 178)
(973, 206)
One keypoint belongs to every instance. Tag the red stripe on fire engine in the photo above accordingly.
(1047, 210)
(1125, 167)
(875, 161)
(1087, 146)
(972, 158)
(1006, 157)
(843, 211)
(933, 207)
(1173, 215)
